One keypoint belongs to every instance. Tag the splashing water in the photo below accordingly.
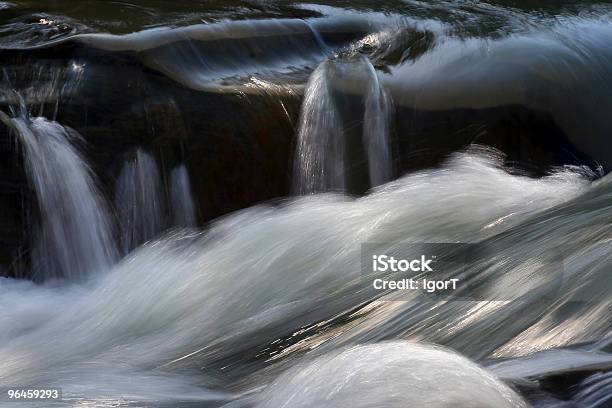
(183, 207)
(139, 201)
(74, 238)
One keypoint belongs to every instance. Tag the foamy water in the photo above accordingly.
(146, 327)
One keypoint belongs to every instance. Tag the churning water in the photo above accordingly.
(262, 274)
(390, 375)
(269, 306)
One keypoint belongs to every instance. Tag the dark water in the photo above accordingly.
(185, 188)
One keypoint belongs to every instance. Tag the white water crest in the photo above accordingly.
(376, 128)
(145, 329)
(390, 375)
(74, 239)
(181, 198)
(319, 160)
(139, 200)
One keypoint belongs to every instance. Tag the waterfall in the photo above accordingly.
(74, 238)
(139, 201)
(319, 162)
(182, 204)
(376, 129)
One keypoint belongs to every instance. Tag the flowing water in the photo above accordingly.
(377, 132)
(322, 159)
(75, 237)
(477, 126)
(183, 207)
(319, 163)
(390, 374)
(261, 275)
(139, 201)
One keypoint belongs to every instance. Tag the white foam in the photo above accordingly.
(390, 375)
(257, 275)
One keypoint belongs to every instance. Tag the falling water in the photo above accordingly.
(271, 306)
(183, 207)
(376, 132)
(320, 160)
(319, 163)
(139, 201)
(74, 238)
